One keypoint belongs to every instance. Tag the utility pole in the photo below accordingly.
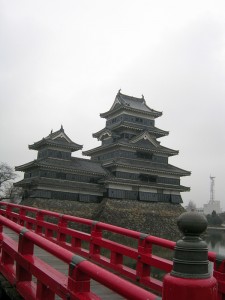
(212, 189)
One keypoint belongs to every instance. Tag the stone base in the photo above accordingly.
(152, 218)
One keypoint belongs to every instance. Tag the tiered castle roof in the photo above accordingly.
(56, 139)
(131, 104)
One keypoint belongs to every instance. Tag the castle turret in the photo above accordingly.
(56, 174)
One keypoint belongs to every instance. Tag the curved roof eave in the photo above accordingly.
(153, 113)
(26, 166)
(71, 169)
(121, 181)
(43, 142)
(128, 125)
(175, 172)
(100, 148)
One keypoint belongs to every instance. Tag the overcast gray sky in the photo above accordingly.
(62, 62)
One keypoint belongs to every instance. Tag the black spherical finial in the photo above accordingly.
(191, 252)
(192, 223)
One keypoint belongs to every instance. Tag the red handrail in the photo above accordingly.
(19, 265)
(97, 244)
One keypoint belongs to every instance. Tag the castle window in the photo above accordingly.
(147, 178)
(144, 155)
(140, 120)
(125, 135)
(60, 175)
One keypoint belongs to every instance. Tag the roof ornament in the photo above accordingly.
(143, 98)
(51, 132)
(62, 128)
(119, 91)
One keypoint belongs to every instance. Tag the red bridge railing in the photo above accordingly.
(96, 242)
(19, 265)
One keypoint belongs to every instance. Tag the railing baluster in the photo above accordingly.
(25, 247)
(144, 249)
(22, 214)
(116, 259)
(62, 224)
(39, 218)
(96, 234)
(76, 243)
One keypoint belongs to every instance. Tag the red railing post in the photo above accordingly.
(22, 214)
(219, 274)
(144, 250)
(61, 237)
(7, 261)
(8, 212)
(78, 281)
(25, 247)
(96, 233)
(40, 219)
(190, 277)
(76, 243)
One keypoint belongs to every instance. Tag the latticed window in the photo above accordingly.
(147, 178)
(144, 155)
(140, 120)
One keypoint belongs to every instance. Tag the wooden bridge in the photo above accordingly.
(47, 255)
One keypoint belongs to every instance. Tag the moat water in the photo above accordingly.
(215, 240)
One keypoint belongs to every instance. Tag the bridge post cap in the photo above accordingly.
(192, 223)
(191, 252)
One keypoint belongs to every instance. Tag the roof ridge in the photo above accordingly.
(122, 96)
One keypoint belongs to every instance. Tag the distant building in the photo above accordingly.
(200, 210)
(130, 163)
(212, 206)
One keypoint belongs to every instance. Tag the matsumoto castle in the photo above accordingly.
(130, 163)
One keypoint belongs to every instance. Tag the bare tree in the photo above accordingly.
(12, 193)
(7, 175)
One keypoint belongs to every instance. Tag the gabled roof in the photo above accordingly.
(146, 137)
(104, 132)
(130, 103)
(57, 139)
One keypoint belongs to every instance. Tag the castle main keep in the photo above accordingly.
(129, 164)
